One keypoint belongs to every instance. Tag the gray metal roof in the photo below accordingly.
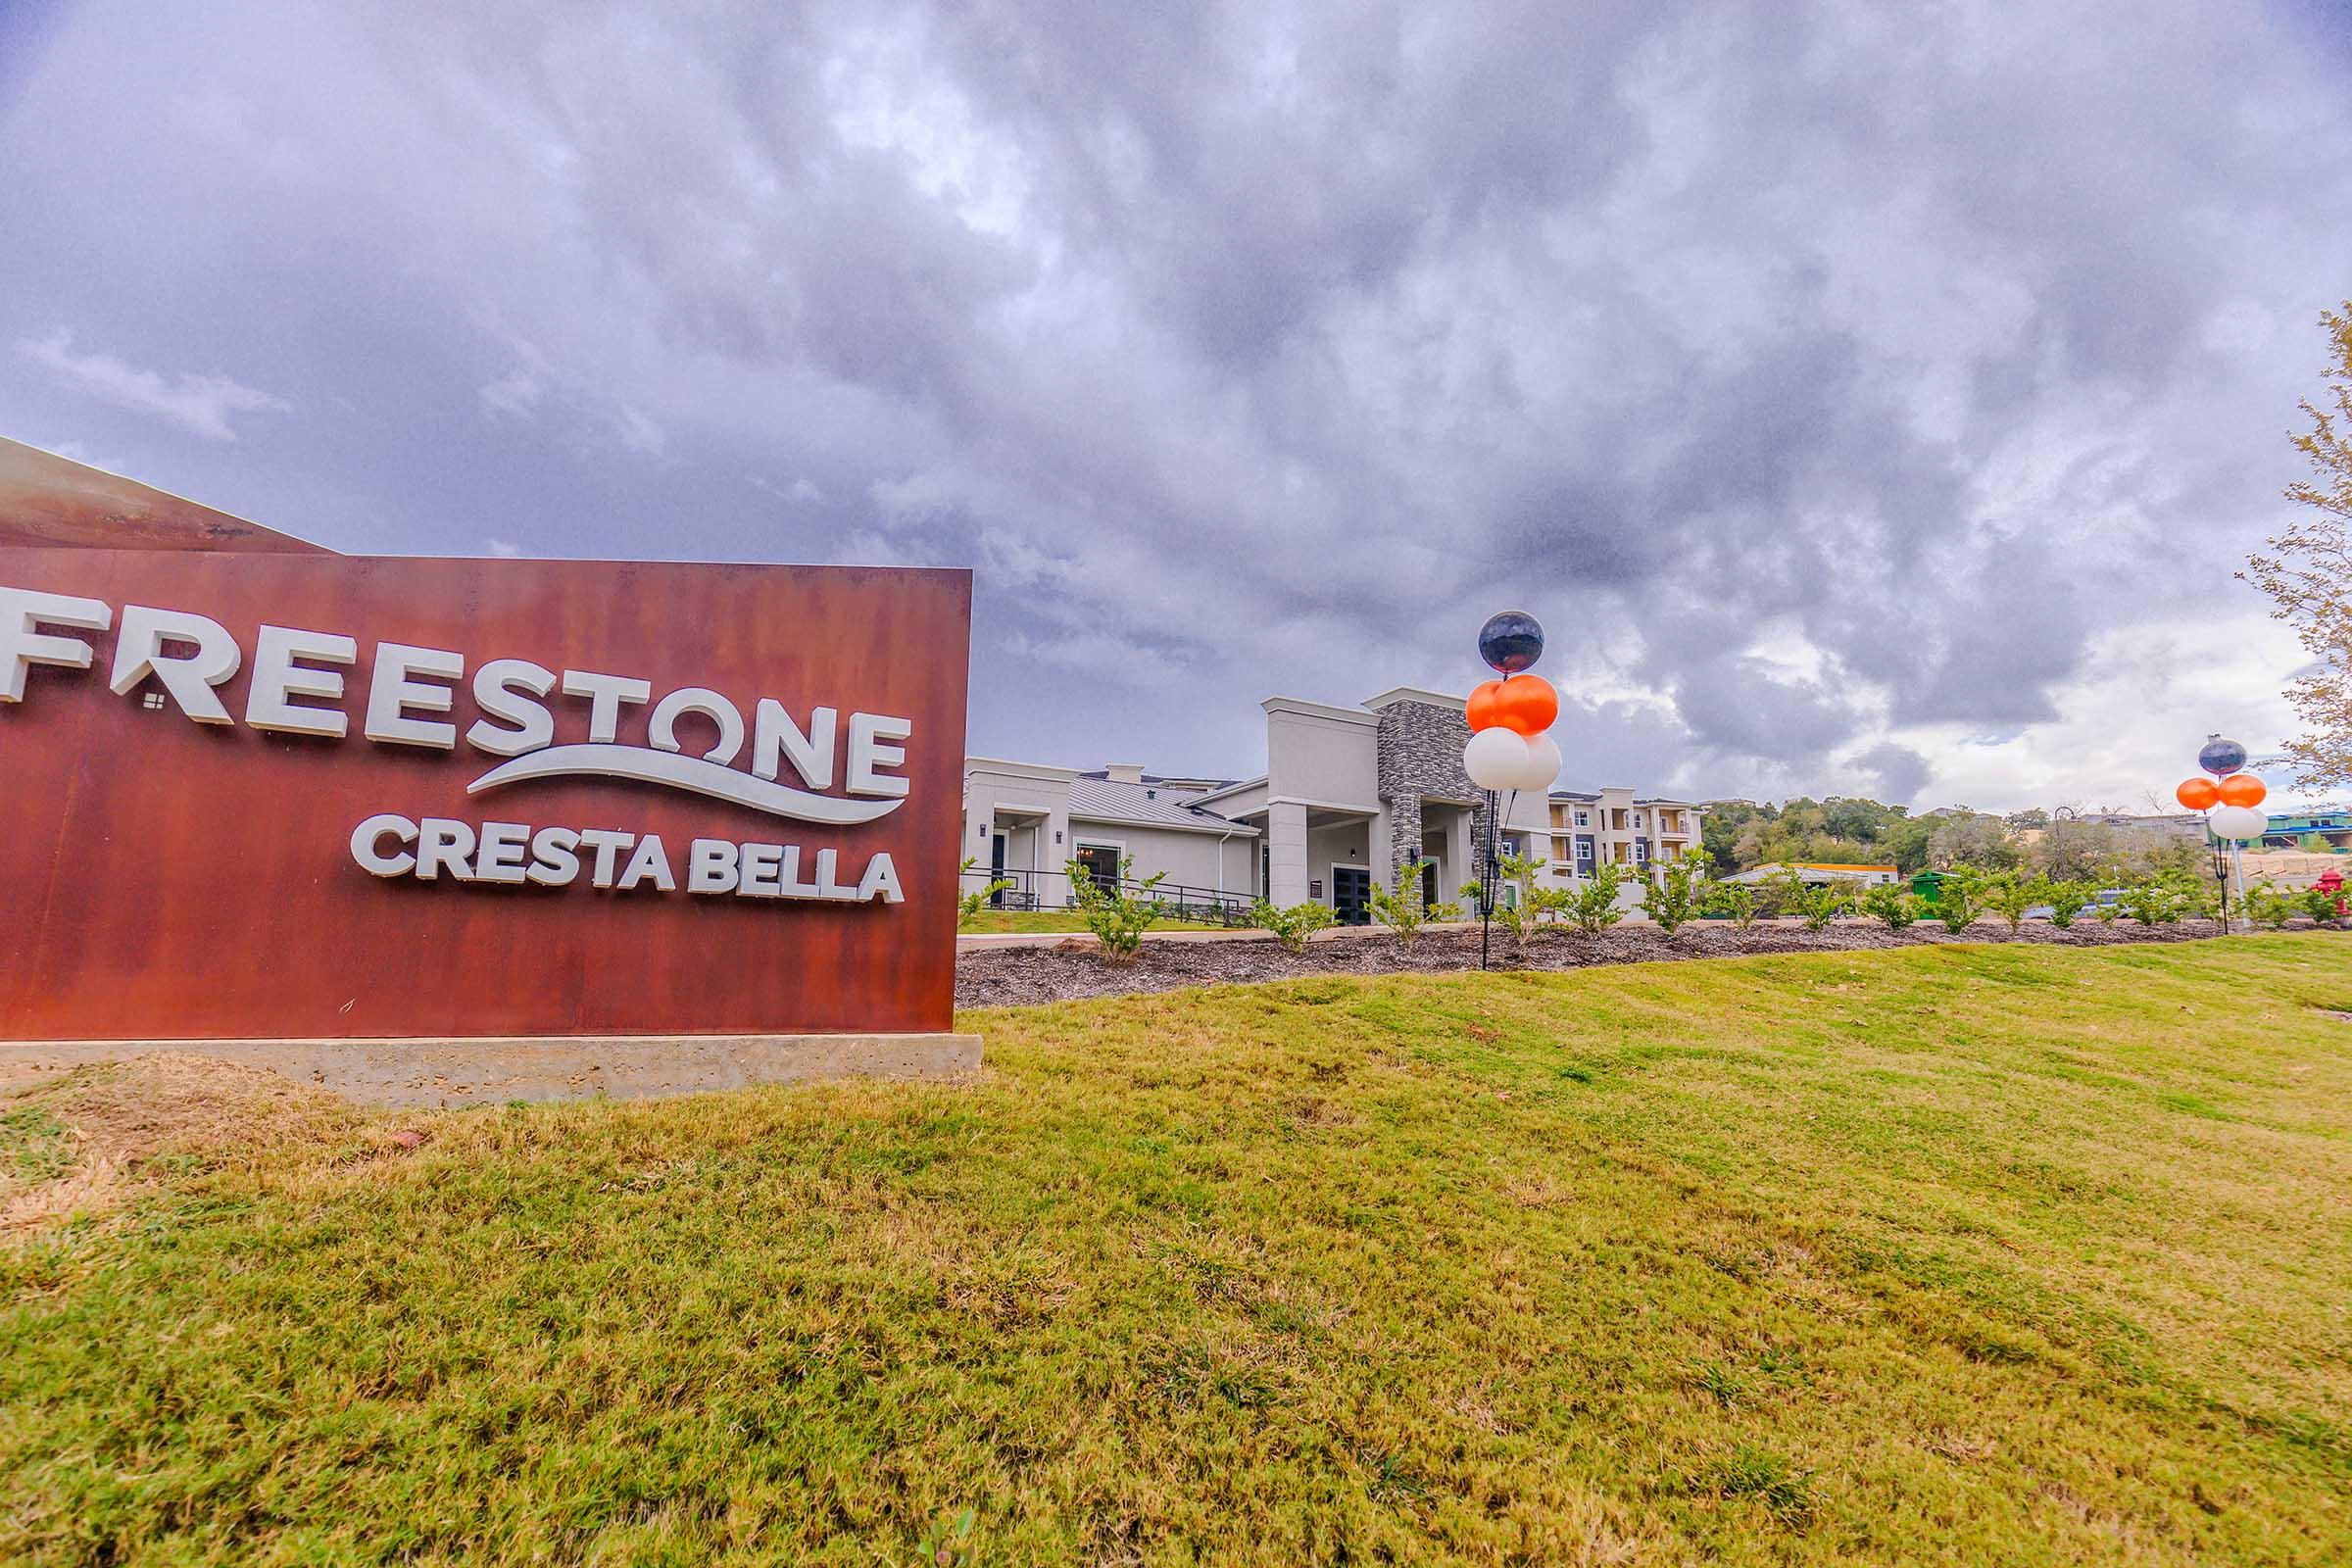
(1147, 804)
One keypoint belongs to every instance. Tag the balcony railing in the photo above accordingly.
(1050, 890)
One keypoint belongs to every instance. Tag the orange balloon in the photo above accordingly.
(2244, 789)
(2198, 794)
(1529, 704)
(1483, 709)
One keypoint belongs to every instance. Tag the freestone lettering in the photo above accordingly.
(297, 687)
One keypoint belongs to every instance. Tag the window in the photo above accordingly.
(1636, 819)
(1584, 819)
(1584, 852)
(1100, 862)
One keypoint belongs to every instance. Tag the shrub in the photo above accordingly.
(1293, 925)
(1399, 906)
(1673, 893)
(1592, 905)
(2271, 906)
(969, 904)
(1117, 917)
(1891, 903)
(1956, 903)
(2325, 907)
(2067, 901)
(1816, 903)
(1519, 916)
(2159, 901)
(2105, 913)
(1736, 901)
(2009, 895)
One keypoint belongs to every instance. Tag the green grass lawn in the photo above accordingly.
(1061, 920)
(2000, 1255)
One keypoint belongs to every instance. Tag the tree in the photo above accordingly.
(1907, 844)
(2307, 572)
(1972, 838)
(1725, 828)
(2033, 816)
(2072, 849)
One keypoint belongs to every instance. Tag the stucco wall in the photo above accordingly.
(1319, 758)
(1193, 859)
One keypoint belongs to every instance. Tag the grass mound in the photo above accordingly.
(2000, 1254)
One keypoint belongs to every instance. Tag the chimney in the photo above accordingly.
(1124, 772)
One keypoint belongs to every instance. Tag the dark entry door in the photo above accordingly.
(1351, 894)
(996, 866)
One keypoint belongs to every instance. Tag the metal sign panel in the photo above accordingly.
(48, 501)
(267, 796)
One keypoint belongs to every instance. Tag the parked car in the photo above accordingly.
(2100, 900)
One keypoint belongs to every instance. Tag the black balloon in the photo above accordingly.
(1511, 641)
(2222, 758)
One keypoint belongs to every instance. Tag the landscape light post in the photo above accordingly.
(1508, 748)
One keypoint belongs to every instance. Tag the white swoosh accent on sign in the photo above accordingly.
(679, 771)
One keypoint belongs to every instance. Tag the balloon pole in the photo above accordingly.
(1486, 887)
(1508, 748)
(2221, 874)
(2229, 800)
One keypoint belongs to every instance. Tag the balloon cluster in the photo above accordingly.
(2230, 798)
(1508, 748)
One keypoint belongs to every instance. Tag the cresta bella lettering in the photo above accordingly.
(297, 684)
(555, 857)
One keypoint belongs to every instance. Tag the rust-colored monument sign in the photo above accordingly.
(270, 795)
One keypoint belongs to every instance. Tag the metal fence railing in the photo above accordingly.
(1050, 890)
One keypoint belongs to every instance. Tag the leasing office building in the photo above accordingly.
(1349, 795)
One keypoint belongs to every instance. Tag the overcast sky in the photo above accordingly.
(1868, 399)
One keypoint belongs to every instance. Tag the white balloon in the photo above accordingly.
(2238, 822)
(1495, 758)
(1542, 763)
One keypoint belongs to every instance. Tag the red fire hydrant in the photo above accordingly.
(2332, 883)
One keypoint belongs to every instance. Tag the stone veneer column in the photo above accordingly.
(1404, 834)
(1420, 746)
(1286, 854)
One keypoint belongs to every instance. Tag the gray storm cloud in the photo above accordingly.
(1253, 347)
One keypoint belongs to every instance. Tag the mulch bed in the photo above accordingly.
(1001, 977)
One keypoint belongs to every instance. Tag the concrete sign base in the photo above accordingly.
(406, 1073)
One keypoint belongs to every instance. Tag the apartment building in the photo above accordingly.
(1349, 794)
(1617, 826)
